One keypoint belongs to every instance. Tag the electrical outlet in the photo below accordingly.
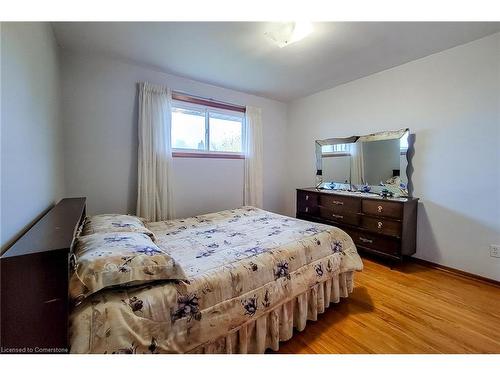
(495, 251)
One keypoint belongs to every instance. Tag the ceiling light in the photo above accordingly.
(300, 31)
(291, 32)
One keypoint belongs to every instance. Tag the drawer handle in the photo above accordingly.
(307, 197)
(379, 225)
(307, 209)
(365, 240)
(380, 208)
(52, 300)
(337, 216)
(338, 203)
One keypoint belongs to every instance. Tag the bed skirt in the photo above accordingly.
(267, 330)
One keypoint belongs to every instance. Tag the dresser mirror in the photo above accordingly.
(370, 164)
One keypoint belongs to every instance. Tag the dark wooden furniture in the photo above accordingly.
(34, 283)
(382, 226)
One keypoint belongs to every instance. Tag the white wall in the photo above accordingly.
(100, 121)
(31, 134)
(451, 102)
(207, 185)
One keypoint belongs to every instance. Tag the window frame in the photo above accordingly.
(191, 103)
(333, 154)
(404, 150)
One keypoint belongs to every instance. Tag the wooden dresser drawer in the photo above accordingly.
(340, 204)
(376, 242)
(307, 203)
(382, 208)
(340, 217)
(380, 225)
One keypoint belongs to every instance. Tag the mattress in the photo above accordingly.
(240, 264)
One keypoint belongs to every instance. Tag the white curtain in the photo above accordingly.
(154, 197)
(253, 147)
(357, 167)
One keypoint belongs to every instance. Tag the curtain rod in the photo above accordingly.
(180, 96)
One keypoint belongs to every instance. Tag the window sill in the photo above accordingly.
(207, 155)
(334, 154)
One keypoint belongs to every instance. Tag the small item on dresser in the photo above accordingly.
(385, 193)
(366, 188)
(108, 223)
(105, 260)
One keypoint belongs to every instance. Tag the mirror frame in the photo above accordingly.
(380, 136)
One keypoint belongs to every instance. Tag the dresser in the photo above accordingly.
(382, 226)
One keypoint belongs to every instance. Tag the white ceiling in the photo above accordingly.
(238, 56)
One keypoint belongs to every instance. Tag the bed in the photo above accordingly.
(252, 276)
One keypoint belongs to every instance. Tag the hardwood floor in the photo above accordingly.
(409, 309)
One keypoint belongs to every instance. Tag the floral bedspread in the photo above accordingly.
(239, 263)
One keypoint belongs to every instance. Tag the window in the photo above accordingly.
(341, 149)
(204, 131)
(225, 133)
(188, 129)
